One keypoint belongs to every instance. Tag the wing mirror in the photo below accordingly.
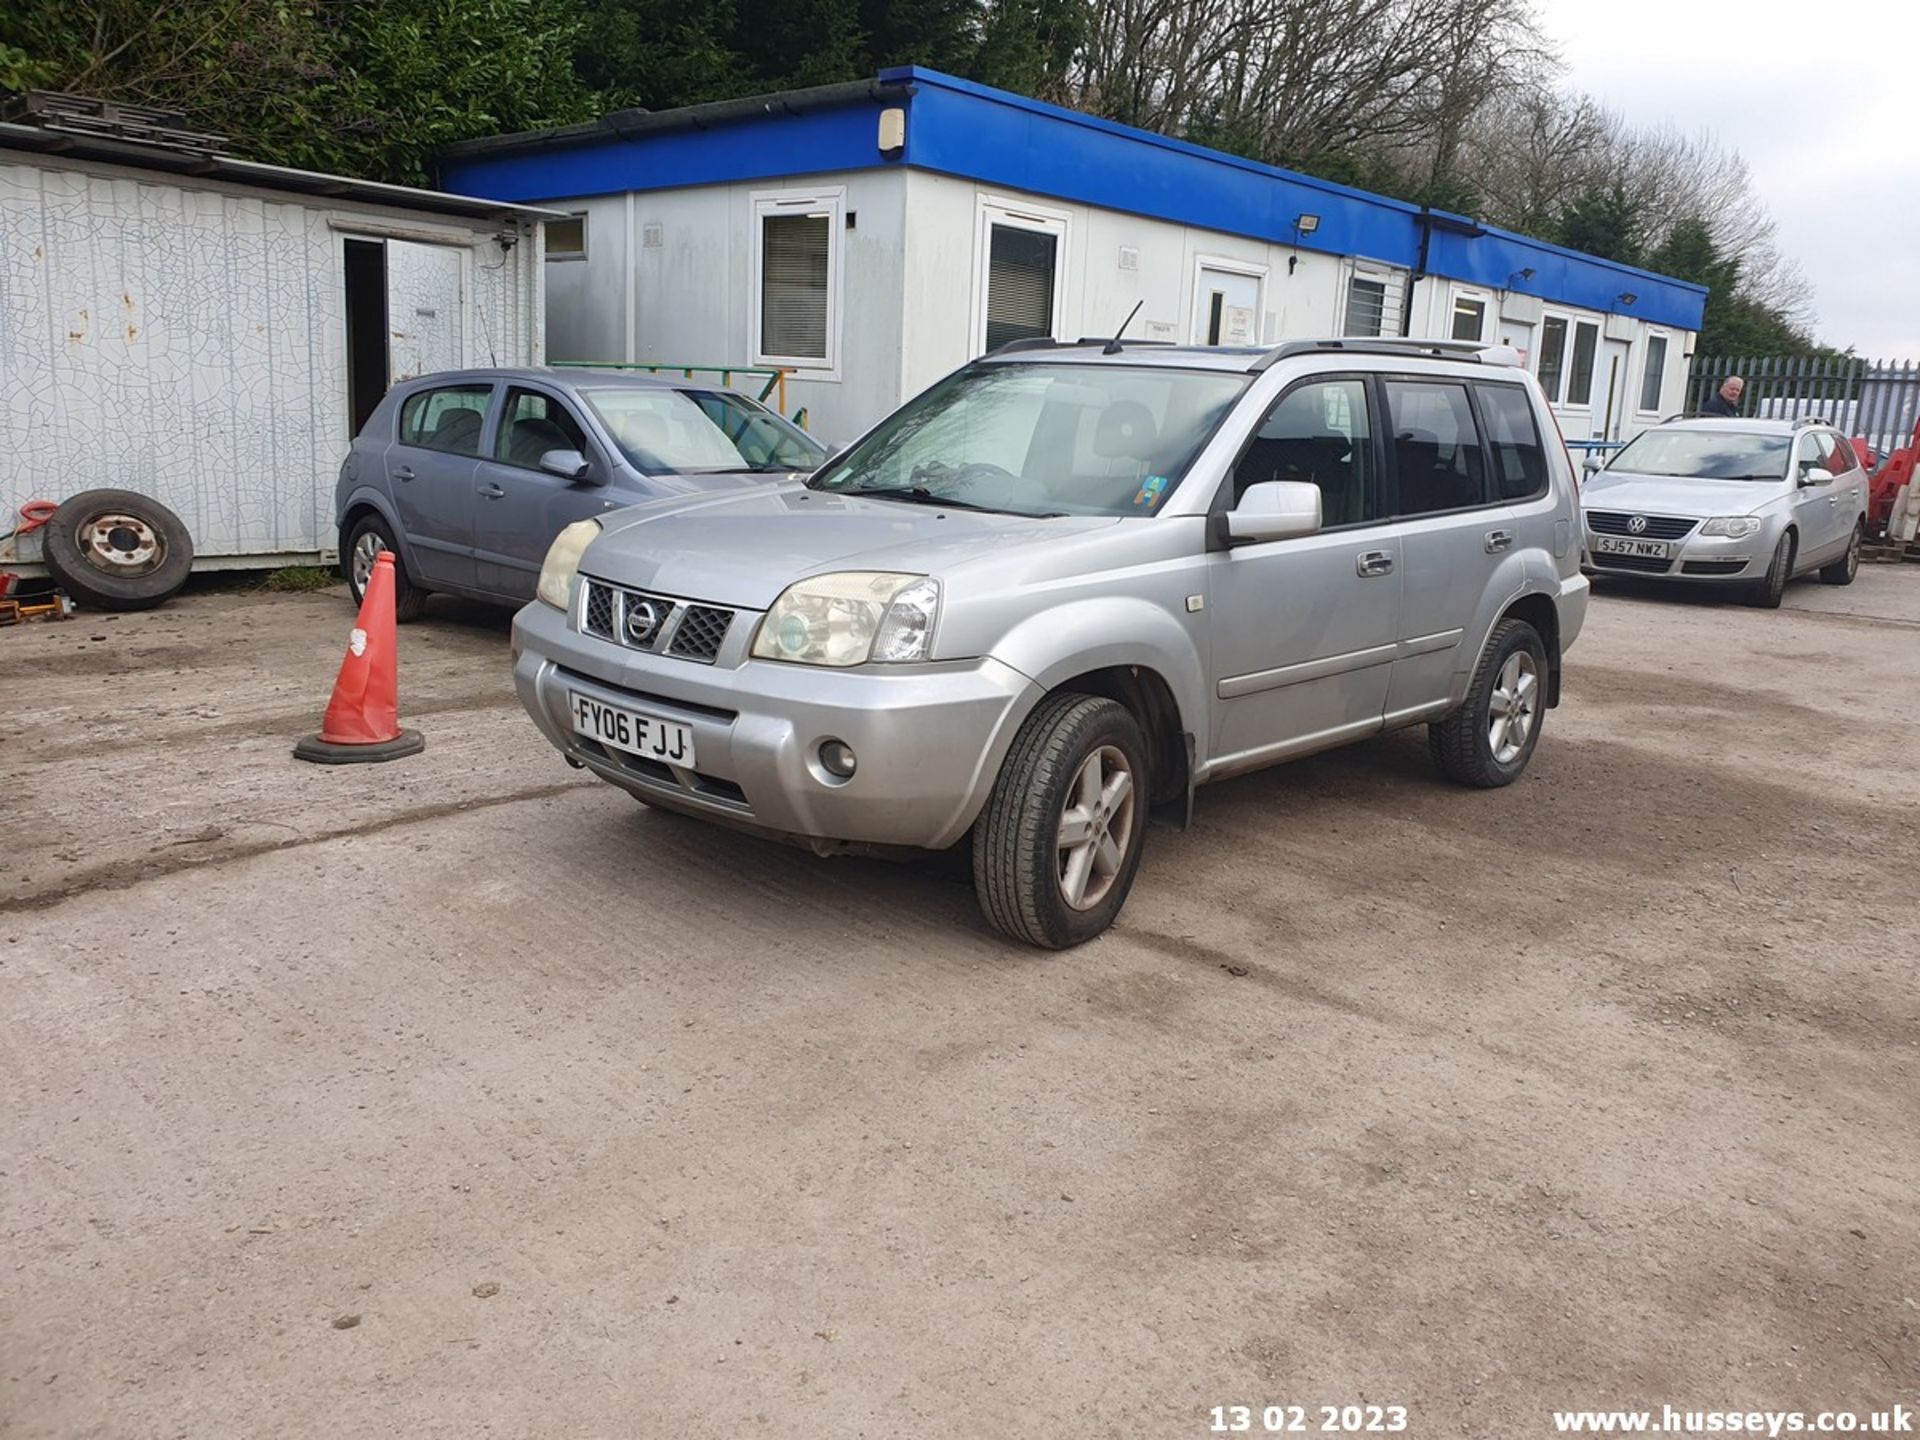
(1815, 475)
(1273, 510)
(567, 464)
(1594, 463)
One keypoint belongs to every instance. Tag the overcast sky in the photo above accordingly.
(1823, 100)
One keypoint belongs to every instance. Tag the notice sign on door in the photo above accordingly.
(1239, 327)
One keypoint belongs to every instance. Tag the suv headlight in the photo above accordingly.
(1734, 527)
(851, 618)
(563, 562)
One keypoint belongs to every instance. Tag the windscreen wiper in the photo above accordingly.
(921, 495)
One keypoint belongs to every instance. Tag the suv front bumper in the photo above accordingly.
(928, 739)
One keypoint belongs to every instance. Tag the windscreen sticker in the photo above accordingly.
(1150, 489)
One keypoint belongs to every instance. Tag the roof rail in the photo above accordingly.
(1030, 342)
(1475, 350)
(1800, 420)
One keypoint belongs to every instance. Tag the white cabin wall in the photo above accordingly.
(687, 299)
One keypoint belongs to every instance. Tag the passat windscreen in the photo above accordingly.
(1705, 455)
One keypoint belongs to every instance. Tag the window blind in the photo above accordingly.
(1019, 284)
(793, 285)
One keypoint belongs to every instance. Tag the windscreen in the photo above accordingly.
(1705, 454)
(696, 432)
(1039, 439)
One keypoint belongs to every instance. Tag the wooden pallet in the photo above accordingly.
(1897, 550)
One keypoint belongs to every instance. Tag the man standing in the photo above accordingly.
(1727, 400)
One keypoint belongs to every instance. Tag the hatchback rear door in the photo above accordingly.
(430, 474)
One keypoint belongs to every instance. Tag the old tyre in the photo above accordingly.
(1842, 571)
(118, 550)
(1488, 741)
(366, 537)
(1766, 595)
(1056, 848)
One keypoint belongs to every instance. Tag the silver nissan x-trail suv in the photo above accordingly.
(1065, 586)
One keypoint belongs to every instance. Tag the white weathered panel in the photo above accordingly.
(424, 298)
(188, 342)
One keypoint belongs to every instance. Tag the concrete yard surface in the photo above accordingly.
(464, 1096)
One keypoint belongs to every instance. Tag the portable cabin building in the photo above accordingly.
(211, 332)
(870, 237)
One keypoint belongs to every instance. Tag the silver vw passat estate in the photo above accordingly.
(1751, 503)
(1064, 587)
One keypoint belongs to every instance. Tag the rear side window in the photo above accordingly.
(1317, 433)
(1513, 439)
(1437, 460)
(449, 419)
(1841, 458)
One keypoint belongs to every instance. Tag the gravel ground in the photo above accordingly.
(465, 1096)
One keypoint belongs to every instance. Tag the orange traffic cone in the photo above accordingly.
(362, 722)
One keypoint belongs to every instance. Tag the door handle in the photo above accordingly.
(1374, 562)
(405, 472)
(492, 491)
(1498, 540)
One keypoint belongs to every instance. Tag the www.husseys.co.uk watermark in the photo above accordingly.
(1670, 1421)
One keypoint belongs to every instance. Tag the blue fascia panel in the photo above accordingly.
(969, 130)
(955, 127)
(1495, 259)
(764, 148)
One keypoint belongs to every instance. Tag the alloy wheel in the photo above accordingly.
(366, 550)
(1096, 825)
(1513, 707)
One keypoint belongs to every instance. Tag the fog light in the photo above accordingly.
(836, 758)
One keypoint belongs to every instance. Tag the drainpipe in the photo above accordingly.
(1419, 271)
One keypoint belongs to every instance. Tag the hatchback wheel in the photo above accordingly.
(1488, 741)
(1056, 849)
(1766, 595)
(1842, 571)
(366, 538)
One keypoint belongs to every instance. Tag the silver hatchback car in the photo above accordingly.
(1067, 585)
(1746, 503)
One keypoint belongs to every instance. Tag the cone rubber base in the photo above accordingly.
(325, 752)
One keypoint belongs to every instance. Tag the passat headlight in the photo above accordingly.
(563, 562)
(851, 618)
(1734, 527)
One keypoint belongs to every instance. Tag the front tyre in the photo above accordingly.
(1488, 741)
(1056, 848)
(1766, 595)
(1842, 571)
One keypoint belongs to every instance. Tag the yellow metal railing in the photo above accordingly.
(774, 375)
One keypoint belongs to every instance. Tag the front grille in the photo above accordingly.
(598, 615)
(1713, 567)
(1644, 564)
(701, 630)
(642, 621)
(1658, 527)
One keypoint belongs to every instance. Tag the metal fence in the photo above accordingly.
(1878, 400)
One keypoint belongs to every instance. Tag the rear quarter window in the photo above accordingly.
(1513, 438)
